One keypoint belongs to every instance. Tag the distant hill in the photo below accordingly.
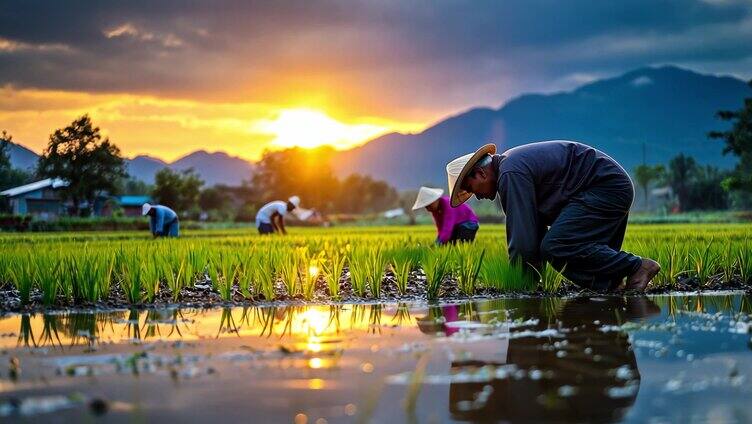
(669, 109)
(214, 168)
(144, 167)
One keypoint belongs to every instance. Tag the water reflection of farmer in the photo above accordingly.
(452, 224)
(595, 380)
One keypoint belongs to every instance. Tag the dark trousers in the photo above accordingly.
(265, 228)
(585, 239)
(464, 231)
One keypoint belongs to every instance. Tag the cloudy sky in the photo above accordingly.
(170, 77)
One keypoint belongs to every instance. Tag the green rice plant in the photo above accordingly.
(172, 272)
(151, 275)
(130, 272)
(264, 271)
(673, 264)
(332, 267)
(376, 263)
(551, 280)
(358, 262)
(310, 269)
(727, 263)
(466, 265)
(223, 271)
(436, 266)
(744, 261)
(402, 262)
(705, 263)
(289, 270)
(48, 276)
(90, 274)
(245, 273)
(498, 273)
(23, 275)
(198, 261)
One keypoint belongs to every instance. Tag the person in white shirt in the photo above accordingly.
(271, 217)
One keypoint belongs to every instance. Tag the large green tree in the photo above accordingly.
(738, 140)
(646, 174)
(89, 163)
(177, 190)
(696, 187)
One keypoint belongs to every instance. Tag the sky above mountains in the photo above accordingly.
(170, 77)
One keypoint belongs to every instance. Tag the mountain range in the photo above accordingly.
(662, 111)
(651, 114)
(213, 168)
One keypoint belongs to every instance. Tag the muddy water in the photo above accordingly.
(635, 359)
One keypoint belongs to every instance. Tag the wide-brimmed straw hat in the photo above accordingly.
(145, 208)
(426, 196)
(295, 200)
(458, 169)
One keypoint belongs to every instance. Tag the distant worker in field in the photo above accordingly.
(271, 217)
(566, 203)
(452, 224)
(163, 221)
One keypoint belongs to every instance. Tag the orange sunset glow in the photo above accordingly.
(169, 128)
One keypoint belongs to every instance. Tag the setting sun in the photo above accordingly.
(312, 128)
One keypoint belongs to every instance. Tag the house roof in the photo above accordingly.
(133, 200)
(38, 185)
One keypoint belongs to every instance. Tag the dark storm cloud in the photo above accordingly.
(446, 51)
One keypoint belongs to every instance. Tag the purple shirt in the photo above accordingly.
(447, 217)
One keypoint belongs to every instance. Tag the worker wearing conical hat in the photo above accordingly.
(452, 224)
(271, 217)
(566, 203)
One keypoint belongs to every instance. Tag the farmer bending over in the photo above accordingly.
(163, 221)
(453, 224)
(566, 203)
(271, 217)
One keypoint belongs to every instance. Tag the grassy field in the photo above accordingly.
(80, 268)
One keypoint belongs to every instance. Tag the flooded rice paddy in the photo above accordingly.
(596, 359)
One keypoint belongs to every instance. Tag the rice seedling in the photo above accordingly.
(48, 272)
(358, 263)
(24, 275)
(310, 270)
(436, 266)
(332, 267)
(551, 280)
(744, 261)
(172, 271)
(466, 266)
(672, 264)
(402, 262)
(130, 273)
(289, 271)
(223, 271)
(376, 262)
(498, 273)
(266, 273)
(90, 275)
(705, 262)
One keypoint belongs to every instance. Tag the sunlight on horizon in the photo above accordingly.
(309, 128)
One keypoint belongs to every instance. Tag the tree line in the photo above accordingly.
(93, 166)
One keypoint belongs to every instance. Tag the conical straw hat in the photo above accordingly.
(458, 169)
(426, 196)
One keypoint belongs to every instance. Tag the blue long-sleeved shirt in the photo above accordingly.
(162, 215)
(536, 181)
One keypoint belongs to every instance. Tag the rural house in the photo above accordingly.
(39, 198)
